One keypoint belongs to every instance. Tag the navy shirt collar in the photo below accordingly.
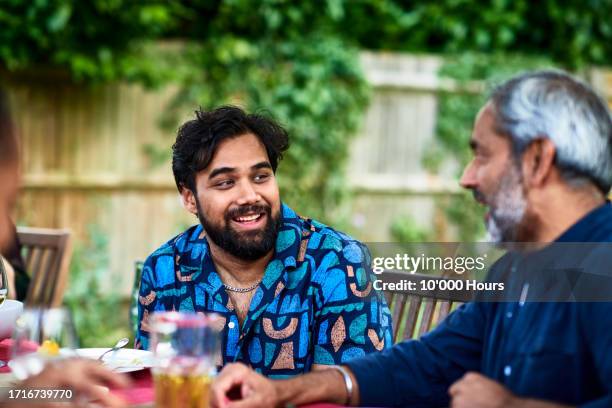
(595, 226)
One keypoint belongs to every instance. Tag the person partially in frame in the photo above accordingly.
(88, 379)
(14, 266)
(542, 165)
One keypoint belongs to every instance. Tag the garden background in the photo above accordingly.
(378, 96)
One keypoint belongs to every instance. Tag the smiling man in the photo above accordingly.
(293, 293)
(543, 167)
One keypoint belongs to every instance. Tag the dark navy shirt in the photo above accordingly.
(554, 351)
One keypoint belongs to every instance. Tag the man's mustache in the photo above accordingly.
(478, 196)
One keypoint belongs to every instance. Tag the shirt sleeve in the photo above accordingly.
(418, 372)
(596, 320)
(352, 319)
(147, 299)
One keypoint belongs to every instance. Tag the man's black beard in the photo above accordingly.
(249, 245)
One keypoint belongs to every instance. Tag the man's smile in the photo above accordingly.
(250, 221)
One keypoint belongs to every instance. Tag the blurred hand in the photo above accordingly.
(86, 378)
(238, 386)
(474, 390)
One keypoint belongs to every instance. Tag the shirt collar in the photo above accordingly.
(593, 227)
(286, 251)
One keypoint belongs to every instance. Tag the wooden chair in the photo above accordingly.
(46, 253)
(415, 312)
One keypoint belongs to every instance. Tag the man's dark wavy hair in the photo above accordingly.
(198, 139)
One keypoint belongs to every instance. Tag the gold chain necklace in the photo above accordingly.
(241, 290)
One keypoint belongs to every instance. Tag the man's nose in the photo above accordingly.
(248, 194)
(468, 178)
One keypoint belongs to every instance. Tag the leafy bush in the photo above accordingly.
(572, 33)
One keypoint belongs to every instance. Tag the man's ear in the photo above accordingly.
(538, 161)
(189, 201)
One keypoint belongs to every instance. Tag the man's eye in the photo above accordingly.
(480, 155)
(224, 183)
(262, 177)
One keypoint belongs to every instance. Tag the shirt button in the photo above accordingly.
(231, 325)
(509, 315)
(507, 371)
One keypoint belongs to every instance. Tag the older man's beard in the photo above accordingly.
(248, 245)
(507, 207)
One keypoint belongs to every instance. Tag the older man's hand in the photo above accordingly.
(238, 386)
(474, 390)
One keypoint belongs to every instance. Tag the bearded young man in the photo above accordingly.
(293, 294)
(543, 166)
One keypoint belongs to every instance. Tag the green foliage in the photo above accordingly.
(96, 310)
(404, 230)
(571, 32)
(106, 39)
(93, 39)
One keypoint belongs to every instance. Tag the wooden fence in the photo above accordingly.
(87, 158)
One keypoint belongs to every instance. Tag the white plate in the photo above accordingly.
(121, 361)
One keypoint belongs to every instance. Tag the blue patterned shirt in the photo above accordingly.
(315, 304)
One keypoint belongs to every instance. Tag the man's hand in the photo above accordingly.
(477, 391)
(237, 386)
(86, 378)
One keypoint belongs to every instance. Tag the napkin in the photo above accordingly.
(141, 389)
(5, 350)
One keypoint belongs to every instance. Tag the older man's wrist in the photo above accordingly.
(318, 386)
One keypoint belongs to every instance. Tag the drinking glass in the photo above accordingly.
(3, 291)
(40, 336)
(4, 285)
(185, 348)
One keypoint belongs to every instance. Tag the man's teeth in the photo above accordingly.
(248, 218)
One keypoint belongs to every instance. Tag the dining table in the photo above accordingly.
(140, 393)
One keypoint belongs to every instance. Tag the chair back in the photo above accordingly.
(46, 253)
(415, 312)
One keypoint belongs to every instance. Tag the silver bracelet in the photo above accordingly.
(348, 382)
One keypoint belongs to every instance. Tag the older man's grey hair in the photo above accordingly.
(557, 106)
